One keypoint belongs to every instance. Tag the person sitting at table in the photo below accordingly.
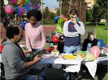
(90, 39)
(15, 63)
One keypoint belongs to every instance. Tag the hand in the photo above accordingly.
(74, 20)
(36, 59)
(30, 52)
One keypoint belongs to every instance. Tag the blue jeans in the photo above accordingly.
(72, 49)
(30, 77)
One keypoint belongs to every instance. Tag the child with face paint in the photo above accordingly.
(90, 39)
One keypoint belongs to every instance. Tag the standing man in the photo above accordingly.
(73, 29)
(15, 63)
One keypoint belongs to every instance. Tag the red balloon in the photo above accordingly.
(1, 48)
(22, 2)
(55, 39)
(95, 50)
(22, 10)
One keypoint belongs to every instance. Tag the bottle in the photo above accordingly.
(99, 44)
(88, 48)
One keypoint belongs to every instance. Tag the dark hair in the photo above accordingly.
(35, 13)
(90, 33)
(73, 12)
(11, 31)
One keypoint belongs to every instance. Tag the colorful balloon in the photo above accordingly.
(26, 2)
(22, 10)
(95, 50)
(18, 10)
(9, 9)
(19, 1)
(30, 4)
(14, 1)
(22, 2)
(27, 8)
(90, 57)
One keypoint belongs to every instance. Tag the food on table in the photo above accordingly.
(66, 56)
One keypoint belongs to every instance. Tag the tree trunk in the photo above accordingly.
(106, 22)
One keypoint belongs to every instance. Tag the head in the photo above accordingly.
(73, 13)
(91, 36)
(34, 16)
(14, 33)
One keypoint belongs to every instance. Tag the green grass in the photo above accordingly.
(102, 33)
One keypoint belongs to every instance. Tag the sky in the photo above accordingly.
(51, 4)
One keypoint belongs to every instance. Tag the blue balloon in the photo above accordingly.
(27, 8)
(18, 10)
(23, 24)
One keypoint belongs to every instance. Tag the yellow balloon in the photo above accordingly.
(19, 1)
(1, 24)
(90, 57)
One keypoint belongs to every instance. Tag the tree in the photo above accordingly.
(103, 9)
(46, 13)
(96, 14)
(89, 16)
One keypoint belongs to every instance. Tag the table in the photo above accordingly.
(73, 65)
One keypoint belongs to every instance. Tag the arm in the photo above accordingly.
(67, 33)
(17, 63)
(43, 38)
(27, 39)
(80, 28)
(36, 59)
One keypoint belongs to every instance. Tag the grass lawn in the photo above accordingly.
(102, 33)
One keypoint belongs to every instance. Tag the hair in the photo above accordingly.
(11, 31)
(35, 13)
(90, 33)
(73, 12)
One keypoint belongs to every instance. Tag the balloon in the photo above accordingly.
(26, 2)
(18, 10)
(23, 24)
(22, 2)
(30, 4)
(10, 0)
(27, 8)
(35, 6)
(95, 50)
(55, 39)
(9, 9)
(90, 57)
(38, 6)
(13, 1)
(1, 48)
(19, 1)
(22, 10)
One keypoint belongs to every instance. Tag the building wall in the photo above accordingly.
(90, 3)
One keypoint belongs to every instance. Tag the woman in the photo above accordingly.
(35, 36)
(73, 29)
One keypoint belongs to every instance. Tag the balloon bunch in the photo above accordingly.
(36, 6)
(19, 10)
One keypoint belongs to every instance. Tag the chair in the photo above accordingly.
(101, 43)
(2, 71)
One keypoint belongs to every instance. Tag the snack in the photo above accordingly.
(66, 56)
(81, 54)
